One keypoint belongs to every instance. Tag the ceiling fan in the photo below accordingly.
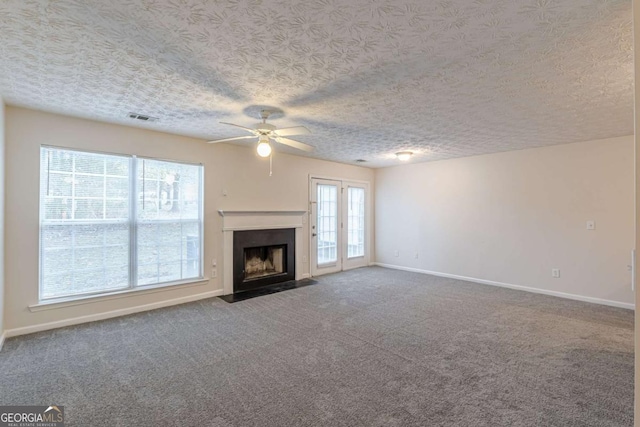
(266, 132)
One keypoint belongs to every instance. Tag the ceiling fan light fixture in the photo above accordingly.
(264, 148)
(404, 155)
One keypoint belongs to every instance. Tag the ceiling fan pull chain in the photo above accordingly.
(271, 164)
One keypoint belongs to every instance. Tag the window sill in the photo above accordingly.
(90, 299)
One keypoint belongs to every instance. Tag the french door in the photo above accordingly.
(338, 225)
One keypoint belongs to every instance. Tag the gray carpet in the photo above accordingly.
(368, 347)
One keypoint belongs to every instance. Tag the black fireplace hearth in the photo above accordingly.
(262, 258)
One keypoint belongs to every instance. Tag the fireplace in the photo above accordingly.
(262, 258)
(234, 223)
(264, 261)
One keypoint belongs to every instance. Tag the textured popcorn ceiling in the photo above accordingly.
(444, 79)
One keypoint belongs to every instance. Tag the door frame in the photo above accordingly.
(368, 218)
(316, 269)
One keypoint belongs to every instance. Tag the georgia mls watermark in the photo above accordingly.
(31, 416)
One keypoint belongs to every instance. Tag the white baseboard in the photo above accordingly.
(109, 314)
(305, 276)
(511, 286)
(2, 338)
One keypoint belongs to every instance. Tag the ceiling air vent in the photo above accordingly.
(361, 161)
(142, 117)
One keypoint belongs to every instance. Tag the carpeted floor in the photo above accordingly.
(368, 347)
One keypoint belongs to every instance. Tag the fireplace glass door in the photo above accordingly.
(263, 258)
(264, 261)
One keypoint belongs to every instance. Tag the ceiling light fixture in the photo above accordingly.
(264, 148)
(404, 155)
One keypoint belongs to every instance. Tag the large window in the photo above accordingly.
(110, 222)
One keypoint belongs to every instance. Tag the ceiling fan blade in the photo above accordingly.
(253, 131)
(231, 139)
(295, 144)
(295, 130)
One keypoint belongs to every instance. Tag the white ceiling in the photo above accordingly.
(444, 79)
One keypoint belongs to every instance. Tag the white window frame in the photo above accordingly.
(133, 226)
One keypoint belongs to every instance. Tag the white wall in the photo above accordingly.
(636, 42)
(235, 169)
(512, 217)
(2, 133)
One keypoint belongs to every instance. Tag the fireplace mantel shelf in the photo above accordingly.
(268, 213)
(257, 220)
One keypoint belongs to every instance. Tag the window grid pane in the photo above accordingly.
(168, 221)
(84, 244)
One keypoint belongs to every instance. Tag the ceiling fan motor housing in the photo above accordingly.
(264, 127)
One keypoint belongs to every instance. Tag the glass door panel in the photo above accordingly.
(327, 234)
(355, 222)
(325, 224)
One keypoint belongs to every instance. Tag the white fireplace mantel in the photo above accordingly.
(245, 213)
(258, 220)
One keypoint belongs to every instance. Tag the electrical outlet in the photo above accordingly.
(214, 273)
(416, 255)
(396, 253)
(555, 272)
(304, 258)
(591, 225)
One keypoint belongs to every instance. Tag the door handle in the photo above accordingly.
(313, 234)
